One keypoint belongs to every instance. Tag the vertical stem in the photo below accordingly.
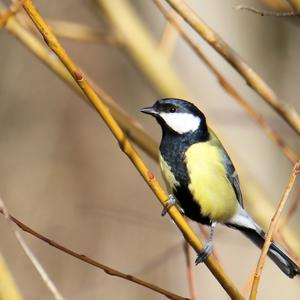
(190, 274)
(271, 230)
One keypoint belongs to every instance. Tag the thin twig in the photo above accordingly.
(90, 261)
(288, 113)
(271, 230)
(268, 13)
(190, 274)
(81, 32)
(287, 247)
(278, 235)
(8, 287)
(45, 277)
(295, 4)
(125, 145)
(228, 87)
(248, 284)
(168, 39)
(140, 45)
(10, 11)
(292, 209)
(78, 32)
(283, 5)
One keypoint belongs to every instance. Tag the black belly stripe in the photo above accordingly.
(172, 149)
(190, 208)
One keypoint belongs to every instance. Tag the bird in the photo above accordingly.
(201, 179)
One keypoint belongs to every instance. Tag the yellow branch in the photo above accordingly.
(168, 39)
(81, 32)
(295, 4)
(288, 113)
(9, 12)
(75, 31)
(8, 288)
(126, 146)
(143, 49)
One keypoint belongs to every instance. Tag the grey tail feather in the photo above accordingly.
(277, 254)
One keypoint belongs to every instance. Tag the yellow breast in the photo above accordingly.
(209, 184)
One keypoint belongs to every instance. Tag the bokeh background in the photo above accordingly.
(62, 173)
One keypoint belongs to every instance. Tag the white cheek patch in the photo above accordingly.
(181, 122)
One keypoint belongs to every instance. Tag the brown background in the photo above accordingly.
(62, 173)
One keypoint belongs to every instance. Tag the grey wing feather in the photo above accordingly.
(233, 178)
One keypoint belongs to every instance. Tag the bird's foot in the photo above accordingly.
(169, 203)
(204, 253)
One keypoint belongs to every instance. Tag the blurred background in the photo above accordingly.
(62, 172)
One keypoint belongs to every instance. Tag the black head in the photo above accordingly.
(177, 116)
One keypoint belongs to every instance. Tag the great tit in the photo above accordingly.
(201, 178)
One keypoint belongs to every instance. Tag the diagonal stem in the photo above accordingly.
(271, 230)
(88, 260)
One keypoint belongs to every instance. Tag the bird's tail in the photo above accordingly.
(276, 252)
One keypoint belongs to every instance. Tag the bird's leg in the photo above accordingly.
(206, 251)
(169, 203)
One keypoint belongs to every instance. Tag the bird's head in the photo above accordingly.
(177, 115)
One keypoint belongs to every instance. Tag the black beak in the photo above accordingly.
(150, 111)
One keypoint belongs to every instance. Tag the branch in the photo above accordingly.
(168, 39)
(90, 261)
(9, 12)
(228, 87)
(248, 283)
(295, 4)
(8, 288)
(268, 13)
(283, 5)
(292, 209)
(288, 113)
(142, 48)
(43, 274)
(272, 229)
(190, 274)
(78, 32)
(125, 145)
(287, 247)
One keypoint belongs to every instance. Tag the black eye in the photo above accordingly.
(172, 109)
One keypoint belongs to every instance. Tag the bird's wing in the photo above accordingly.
(230, 170)
(233, 178)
